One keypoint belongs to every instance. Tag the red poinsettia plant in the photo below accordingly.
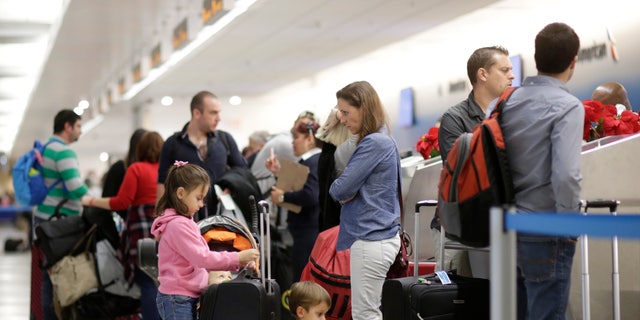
(601, 120)
(427, 145)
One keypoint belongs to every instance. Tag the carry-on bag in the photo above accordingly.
(434, 296)
(246, 297)
(330, 269)
(615, 275)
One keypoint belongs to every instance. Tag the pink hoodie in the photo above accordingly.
(184, 257)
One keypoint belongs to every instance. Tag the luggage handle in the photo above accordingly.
(254, 214)
(601, 203)
(416, 227)
(265, 246)
(615, 275)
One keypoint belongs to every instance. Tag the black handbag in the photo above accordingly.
(104, 305)
(56, 238)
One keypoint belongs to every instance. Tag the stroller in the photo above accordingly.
(222, 233)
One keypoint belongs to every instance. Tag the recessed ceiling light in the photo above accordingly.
(235, 100)
(84, 104)
(166, 101)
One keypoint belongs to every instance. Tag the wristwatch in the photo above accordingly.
(281, 198)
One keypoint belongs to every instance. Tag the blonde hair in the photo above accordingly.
(307, 294)
(333, 131)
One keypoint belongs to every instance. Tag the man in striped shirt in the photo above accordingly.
(60, 162)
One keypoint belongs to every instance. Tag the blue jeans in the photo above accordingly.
(46, 296)
(544, 276)
(176, 307)
(148, 292)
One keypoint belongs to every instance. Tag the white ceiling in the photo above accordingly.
(274, 43)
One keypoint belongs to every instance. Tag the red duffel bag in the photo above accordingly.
(330, 269)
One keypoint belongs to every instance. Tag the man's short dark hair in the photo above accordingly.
(196, 101)
(64, 116)
(556, 46)
(483, 58)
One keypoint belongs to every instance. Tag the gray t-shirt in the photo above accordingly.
(343, 153)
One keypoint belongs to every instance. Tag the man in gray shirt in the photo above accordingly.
(542, 125)
(490, 72)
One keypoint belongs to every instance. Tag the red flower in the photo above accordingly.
(427, 145)
(602, 120)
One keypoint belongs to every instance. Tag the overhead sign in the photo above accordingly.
(109, 97)
(180, 35)
(156, 56)
(212, 10)
(136, 73)
(121, 86)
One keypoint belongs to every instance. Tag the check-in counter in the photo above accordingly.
(610, 170)
(420, 182)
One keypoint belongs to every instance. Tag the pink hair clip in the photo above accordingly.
(179, 163)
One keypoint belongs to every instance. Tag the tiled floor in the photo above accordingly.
(15, 277)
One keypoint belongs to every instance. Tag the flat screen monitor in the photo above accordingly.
(406, 110)
(516, 62)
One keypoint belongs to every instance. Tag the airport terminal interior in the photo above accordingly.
(126, 64)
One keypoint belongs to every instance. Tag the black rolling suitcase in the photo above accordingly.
(426, 297)
(246, 297)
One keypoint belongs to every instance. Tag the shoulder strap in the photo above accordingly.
(400, 200)
(225, 141)
(41, 159)
(464, 141)
(501, 101)
(174, 145)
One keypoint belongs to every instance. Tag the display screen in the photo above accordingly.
(406, 110)
(516, 62)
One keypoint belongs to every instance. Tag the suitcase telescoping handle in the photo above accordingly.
(615, 275)
(416, 232)
(265, 246)
(600, 203)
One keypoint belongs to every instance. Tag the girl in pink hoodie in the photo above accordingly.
(184, 258)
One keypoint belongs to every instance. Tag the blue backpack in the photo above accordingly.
(28, 183)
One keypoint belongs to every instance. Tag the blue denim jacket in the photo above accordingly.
(371, 177)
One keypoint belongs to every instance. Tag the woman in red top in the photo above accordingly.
(137, 195)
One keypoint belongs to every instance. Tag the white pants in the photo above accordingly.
(370, 262)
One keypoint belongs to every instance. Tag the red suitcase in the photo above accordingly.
(37, 260)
